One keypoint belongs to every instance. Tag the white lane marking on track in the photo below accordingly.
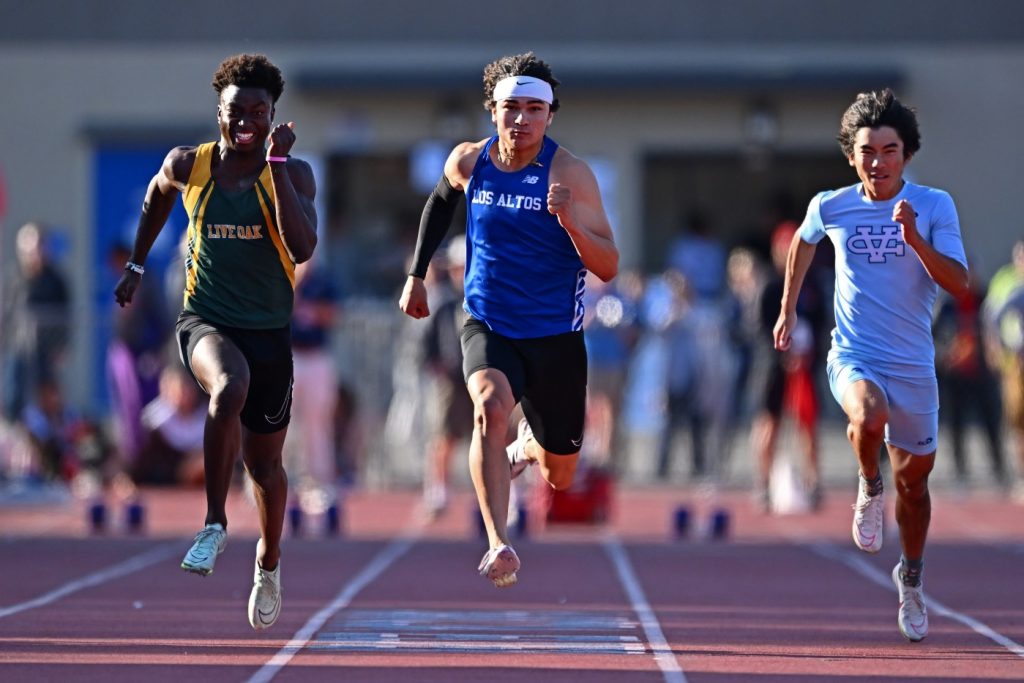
(129, 566)
(368, 575)
(663, 655)
(860, 565)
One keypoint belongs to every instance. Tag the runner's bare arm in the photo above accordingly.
(947, 272)
(161, 194)
(798, 260)
(574, 197)
(294, 191)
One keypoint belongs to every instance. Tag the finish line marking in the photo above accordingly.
(526, 632)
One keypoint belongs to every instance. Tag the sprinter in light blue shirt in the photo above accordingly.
(895, 244)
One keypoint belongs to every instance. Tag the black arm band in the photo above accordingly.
(434, 224)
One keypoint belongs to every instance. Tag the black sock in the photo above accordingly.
(873, 486)
(910, 571)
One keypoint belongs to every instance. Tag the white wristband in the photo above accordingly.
(134, 267)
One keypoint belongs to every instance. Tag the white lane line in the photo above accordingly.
(129, 566)
(368, 575)
(860, 565)
(663, 654)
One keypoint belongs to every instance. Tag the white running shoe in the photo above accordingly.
(265, 599)
(913, 615)
(208, 544)
(516, 450)
(500, 566)
(867, 518)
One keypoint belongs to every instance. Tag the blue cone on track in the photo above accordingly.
(295, 520)
(98, 516)
(681, 522)
(719, 525)
(332, 519)
(481, 528)
(521, 527)
(134, 516)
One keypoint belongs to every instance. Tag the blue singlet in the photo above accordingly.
(524, 278)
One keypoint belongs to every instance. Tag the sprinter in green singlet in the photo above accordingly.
(251, 219)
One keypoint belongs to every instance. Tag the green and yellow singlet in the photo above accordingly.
(237, 272)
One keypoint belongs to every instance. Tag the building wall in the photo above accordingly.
(61, 100)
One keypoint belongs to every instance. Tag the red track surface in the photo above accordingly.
(784, 599)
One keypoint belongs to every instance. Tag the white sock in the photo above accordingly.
(515, 452)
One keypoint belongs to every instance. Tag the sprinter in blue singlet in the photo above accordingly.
(535, 226)
(895, 244)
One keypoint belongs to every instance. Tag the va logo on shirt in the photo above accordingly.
(877, 245)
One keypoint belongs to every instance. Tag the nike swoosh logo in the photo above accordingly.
(522, 82)
(269, 617)
(866, 540)
(577, 442)
(919, 627)
(276, 419)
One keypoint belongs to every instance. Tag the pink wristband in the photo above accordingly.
(279, 160)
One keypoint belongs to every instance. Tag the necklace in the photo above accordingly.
(507, 160)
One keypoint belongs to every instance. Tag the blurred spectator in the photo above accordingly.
(682, 386)
(309, 445)
(172, 432)
(788, 378)
(716, 373)
(1004, 325)
(611, 324)
(746, 281)
(35, 322)
(407, 421)
(699, 256)
(966, 383)
(64, 443)
(452, 408)
(348, 437)
(135, 355)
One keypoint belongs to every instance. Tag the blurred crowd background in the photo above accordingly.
(710, 127)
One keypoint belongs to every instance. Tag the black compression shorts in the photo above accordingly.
(548, 376)
(269, 356)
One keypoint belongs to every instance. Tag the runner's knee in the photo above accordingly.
(868, 422)
(558, 471)
(265, 472)
(912, 481)
(228, 394)
(491, 414)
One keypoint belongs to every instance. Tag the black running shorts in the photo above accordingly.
(269, 356)
(548, 376)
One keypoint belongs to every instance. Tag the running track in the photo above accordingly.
(784, 599)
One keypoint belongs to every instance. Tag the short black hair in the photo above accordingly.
(249, 71)
(525, 64)
(877, 109)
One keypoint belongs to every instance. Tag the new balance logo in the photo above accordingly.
(531, 179)
(877, 245)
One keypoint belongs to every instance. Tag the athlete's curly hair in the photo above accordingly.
(525, 64)
(877, 109)
(249, 71)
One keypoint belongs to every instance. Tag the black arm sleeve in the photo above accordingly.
(434, 224)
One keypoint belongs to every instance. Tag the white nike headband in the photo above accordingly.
(523, 86)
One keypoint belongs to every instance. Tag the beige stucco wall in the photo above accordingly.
(969, 102)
